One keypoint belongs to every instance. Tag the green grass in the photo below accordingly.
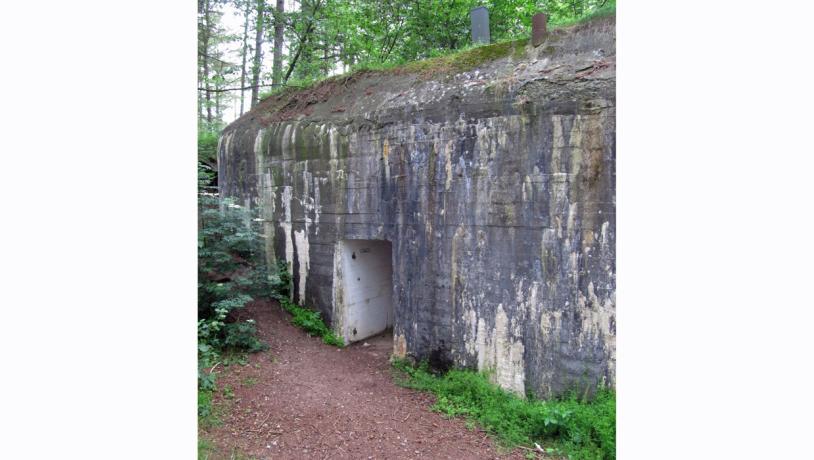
(311, 322)
(579, 428)
(205, 448)
(208, 413)
(208, 451)
(249, 381)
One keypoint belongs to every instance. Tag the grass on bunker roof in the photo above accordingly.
(456, 61)
(445, 63)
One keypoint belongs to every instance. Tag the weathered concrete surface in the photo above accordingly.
(496, 187)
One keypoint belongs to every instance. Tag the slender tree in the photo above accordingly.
(258, 52)
(279, 29)
(203, 52)
(244, 51)
(310, 18)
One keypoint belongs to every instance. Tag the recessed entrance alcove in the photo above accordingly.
(366, 278)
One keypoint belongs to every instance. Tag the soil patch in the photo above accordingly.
(304, 399)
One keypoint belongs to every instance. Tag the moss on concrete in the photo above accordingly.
(467, 59)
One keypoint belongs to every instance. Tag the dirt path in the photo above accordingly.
(303, 399)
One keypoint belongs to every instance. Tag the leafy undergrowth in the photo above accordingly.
(311, 322)
(304, 318)
(568, 425)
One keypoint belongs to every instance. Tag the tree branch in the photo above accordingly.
(222, 90)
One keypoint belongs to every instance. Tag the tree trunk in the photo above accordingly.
(279, 28)
(258, 53)
(207, 93)
(303, 41)
(302, 45)
(244, 52)
(218, 108)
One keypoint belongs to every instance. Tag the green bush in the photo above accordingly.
(207, 158)
(243, 336)
(280, 281)
(579, 428)
(208, 147)
(229, 277)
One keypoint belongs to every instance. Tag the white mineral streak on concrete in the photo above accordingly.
(550, 324)
(267, 213)
(575, 142)
(337, 293)
(448, 163)
(558, 179)
(306, 201)
(500, 354)
(333, 151)
(317, 207)
(486, 135)
(286, 226)
(527, 300)
(596, 317)
(293, 138)
(301, 238)
(286, 202)
(284, 142)
(228, 147)
(471, 332)
(453, 276)
(570, 223)
(264, 180)
(258, 143)
(333, 142)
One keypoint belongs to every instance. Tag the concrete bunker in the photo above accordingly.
(479, 204)
(364, 279)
